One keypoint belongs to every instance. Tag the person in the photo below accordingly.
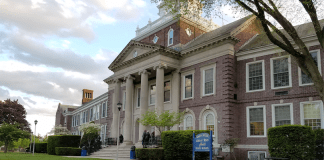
(121, 138)
(143, 138)
(153, 139)
(147, 138)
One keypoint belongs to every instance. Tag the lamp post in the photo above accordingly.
(119, 107)
(35, 136)
(31, 141)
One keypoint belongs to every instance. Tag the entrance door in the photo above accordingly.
(136, 131)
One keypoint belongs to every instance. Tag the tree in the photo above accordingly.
(90, 131)
(162, 121)
(271, 14)
(12, 112)
(22, 143)
(10, 133)
(59, 130)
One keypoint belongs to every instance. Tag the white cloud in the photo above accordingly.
(139, 3)
(12, 66)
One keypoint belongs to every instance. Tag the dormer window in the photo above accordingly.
(135, 54)
(170, 37)
(155, 39)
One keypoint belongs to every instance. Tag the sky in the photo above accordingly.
(52, 49)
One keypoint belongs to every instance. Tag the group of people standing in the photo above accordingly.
(146, 138)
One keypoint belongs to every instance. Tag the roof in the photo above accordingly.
(303, 30)
(63, 107)
(224, 31)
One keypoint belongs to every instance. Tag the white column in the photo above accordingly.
(128, 110)
(144, 100)
(159, 103)
(175, 92)
(116, 99)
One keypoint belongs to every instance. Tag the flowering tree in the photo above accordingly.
(59, 130)
(162, 121)
(90, 131)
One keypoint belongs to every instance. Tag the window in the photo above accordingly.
(72, 121)
(256, 121)
(188, 86)
(256, 155)
(91, 114)
(312, 114)
(97, 113)
(304, 79)
(280, 72)
(124, 100)
(138, 97)
(83, 117)
(210, 122)
(78, 119)
(167, 91)
(255, 79)
(103, 110)
(94, 113)
(81, 120)
(208, 79)
(87, 116)
(282, 114)
(155, 39)
(170, 37)
(188, 122)
(152, 94)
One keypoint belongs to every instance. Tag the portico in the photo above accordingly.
(149, 80)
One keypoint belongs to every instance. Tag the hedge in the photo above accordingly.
(68, 151)
(178, 145)
(149, 153)
(319, 143)
(291, 141)
(41, 147)
(62, 141)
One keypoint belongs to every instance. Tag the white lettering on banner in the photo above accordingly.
(205, 148)
(198, 140)
(206, 140)
(202, 144)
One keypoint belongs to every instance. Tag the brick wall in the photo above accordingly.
(253, 29)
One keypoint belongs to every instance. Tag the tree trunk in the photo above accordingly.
(6, 147)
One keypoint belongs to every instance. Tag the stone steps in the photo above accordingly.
(111, 153)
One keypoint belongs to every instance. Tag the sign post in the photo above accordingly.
(202, 143)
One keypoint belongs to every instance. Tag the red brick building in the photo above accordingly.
(228, 79)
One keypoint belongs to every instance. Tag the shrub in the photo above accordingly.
(178, 145)
(149, 153)
(63, 150)
(62, 141)
(75, 151)
(95, 143)
(319, 143)
(41, 147)
(291, 141)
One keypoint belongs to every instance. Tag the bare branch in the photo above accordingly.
(310, 8)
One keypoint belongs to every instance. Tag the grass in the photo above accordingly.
(37, 156)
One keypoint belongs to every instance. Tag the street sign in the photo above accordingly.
(203, 142)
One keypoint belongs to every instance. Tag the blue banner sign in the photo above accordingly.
(203, 142)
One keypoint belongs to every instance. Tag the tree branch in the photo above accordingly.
(310, 8)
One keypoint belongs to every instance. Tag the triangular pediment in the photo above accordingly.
(127, 53)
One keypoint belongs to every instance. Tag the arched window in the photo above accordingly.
(188, 122)
(170, 37)
(210, 122)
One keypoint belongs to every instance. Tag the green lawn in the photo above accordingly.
(37, 156)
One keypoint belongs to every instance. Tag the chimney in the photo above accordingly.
(87, 95)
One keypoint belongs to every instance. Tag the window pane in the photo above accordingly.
(209, 75)
(189, 124)
(152, 99)
(153, 89)
(188, 86)
(167, 96)
(304, 77)
(282, 115)
(139, 97)
(256, 121)
(188, 92)
(255, 76)
(280, 72)
(312, 111)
